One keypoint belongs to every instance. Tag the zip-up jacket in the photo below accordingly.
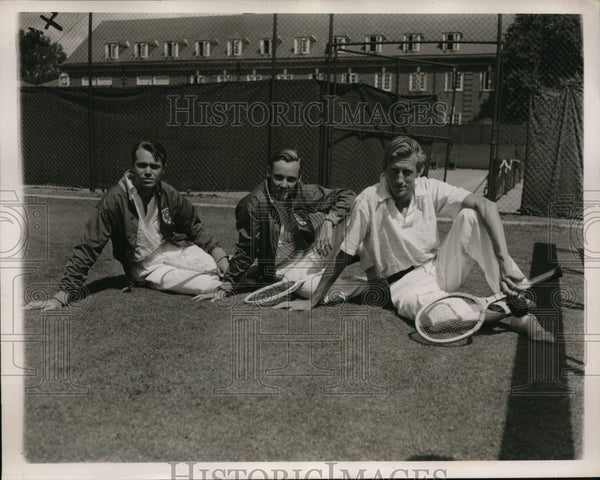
(258, 221)
(116, 218)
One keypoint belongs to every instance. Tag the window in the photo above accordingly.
(450, 42)
(63, 80)
(456, 117)
(412, 42)
(148, 80)
(111, 51)
(448, 87)
(224, 78)
(383, 81)
(234, 48)
(202, 49)
(140, 50)
(162, 80)
(417, 82)
(349, 77)
(98, 81)
(265, 46)
(340, 40)
(302, 46)
(485, 81)
(371, 43)
(171, 49)
(197, 79)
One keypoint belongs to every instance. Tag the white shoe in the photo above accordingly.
(529, 325)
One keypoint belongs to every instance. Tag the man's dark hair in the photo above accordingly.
(158, 151)
(401, 148)
(287, 155)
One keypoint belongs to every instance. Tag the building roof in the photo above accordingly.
(251, 28)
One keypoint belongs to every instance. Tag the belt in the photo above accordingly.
(397, 276)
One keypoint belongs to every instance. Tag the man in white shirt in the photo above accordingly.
(395, 221)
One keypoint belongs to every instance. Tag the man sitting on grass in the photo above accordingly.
(289, 226)
(395, 221)
(156, 234)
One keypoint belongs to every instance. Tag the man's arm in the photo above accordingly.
(335, 208)
(488, 212)
(93, 240)
(248, 245)
(189, 221)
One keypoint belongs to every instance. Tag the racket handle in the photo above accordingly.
(556, 272)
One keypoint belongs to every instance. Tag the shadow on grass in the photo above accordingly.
(115, 282)
(538, 420)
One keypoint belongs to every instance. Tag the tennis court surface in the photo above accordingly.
(154, 377)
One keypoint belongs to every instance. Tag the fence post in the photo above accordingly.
(272, 86)
(92, 162)
(492, 194)
(449, 144)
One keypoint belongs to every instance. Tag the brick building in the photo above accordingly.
(406, 54)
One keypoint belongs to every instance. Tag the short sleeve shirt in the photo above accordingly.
(393, 241)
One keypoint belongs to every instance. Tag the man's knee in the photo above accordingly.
(468, 215)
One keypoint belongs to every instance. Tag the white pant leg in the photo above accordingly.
(468, 242)
(415, 290)
(186, 270)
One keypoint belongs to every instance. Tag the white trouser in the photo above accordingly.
(310, 269)
(187, 270)
(467, 243)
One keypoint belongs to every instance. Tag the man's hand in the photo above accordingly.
(222, 266)
(51, 304)
(509, 278)
(323, 241)
(224, 291)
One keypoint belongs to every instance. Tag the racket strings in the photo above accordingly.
(450, 317)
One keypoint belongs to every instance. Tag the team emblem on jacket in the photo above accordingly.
(166, 216)
(300, 220)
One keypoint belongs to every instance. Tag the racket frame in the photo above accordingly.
(296, 284)
(551, 274)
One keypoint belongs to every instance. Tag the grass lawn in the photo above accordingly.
(164, 382)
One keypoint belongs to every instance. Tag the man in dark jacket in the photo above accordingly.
(155, 232)
(291, 228)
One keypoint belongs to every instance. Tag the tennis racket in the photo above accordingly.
(458, 315)
(273, 294)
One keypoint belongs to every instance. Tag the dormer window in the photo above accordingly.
(302, 45)
(451, 41)
(266, 46)
(234, 47)
(111, 51)
(140, 50)
(372, 43)
(171, 49)
(202, 48)
(412, 42)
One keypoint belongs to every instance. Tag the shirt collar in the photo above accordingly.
(383, 191)
(130, 187)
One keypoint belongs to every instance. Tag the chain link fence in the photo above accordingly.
(223, 92)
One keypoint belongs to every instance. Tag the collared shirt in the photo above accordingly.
(149, 237)
(393, 241)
